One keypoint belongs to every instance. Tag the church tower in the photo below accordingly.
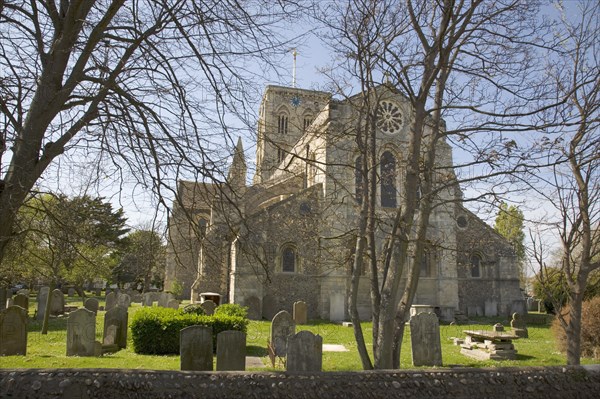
(236, 178)
(285, 115)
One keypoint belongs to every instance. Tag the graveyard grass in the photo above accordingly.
(49, 351)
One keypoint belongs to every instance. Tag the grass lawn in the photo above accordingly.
(49, 351)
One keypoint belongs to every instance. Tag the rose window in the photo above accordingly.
(389, 117)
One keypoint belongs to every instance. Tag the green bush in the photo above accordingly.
(194, 308)
(155, 331)
(232, 309)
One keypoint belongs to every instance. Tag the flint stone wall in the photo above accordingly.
(529, 383)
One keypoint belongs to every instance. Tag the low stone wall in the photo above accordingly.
(547, 383)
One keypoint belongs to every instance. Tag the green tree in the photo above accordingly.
(509, 223)
(142, 261)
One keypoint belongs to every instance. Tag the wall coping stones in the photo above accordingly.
(532, 382)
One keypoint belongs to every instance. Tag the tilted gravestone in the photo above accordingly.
(22, 301)
(300, 312)
(518, 326)
(13, 331)
(196, 348)
(57, 306)
(425, 340)
(253, 305)
(209, 307)
(147, 299)
(42, 298)
(81, 333)
(3, 297)
(124, 300)
(304, 352)
(231, 351)
(111, 301)
(282, 327)
(115, 327)
(173, 304)
(92, 304)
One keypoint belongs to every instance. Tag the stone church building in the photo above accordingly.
(288, 236)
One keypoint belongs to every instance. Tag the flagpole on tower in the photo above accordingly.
(294, 53)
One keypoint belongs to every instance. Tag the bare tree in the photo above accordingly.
(444, 57)
(137, 89)
(570, 180)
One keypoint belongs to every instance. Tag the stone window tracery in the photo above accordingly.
(282, 124)
(389, 117)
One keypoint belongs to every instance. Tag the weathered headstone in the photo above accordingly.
(81, 333)
(3, 297)
(253, 305)
(23, 291)
(518, 325)
(98, 292)
(164, 298)
(231, 351)
(136, 297)
(57, 306)
(71, 292)
(196, 348)
(13, 331)
(209, 307)
(111, 301)
(115, 327)
(92, 304)
(41, 302)
(300, 312)
(124, 300)
(22, 301)
(147, 299)
(304, 352)
(173, 304)
(425, 340)
(282, 327)
(491, 308)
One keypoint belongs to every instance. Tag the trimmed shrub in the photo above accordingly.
(195, 308)
(590, 325)
(155, 331)
(232, 309)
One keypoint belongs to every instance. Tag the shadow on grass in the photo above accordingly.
(255, 350)
(524, 357)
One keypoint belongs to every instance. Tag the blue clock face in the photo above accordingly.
(295, 101)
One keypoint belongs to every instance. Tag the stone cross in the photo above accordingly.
(81, 333)
(282, 327)
(300, 312)
(304, 352)
(196, 348)
(13, 331)
(231, 351)
(425, 339)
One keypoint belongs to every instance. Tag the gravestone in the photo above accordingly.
(57, 306)
(13, 331)
(9, 302)
(269, 307)
(518, 325)
(92, 304)
(337, 310)
(115, 327)
(300, 312)
(147, 299)
(136, 297)
(532, 305)
(253, 305)
(3, 297)
(173, 304)
(98, 292)
(231, 351)
(282, 327)
(124, 300)
(71, 292)
(42, 298)
(491, 308)
(425, 340)
(111, 301)
(196, 348)
(164, 298)
(209, 307)
(519, 306)
(22, 301)
(81, 333)
(304, 352)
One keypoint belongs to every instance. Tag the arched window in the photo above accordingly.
(282, 124)
(358, 180)
(288, 260)
(475, 266)
(388, 180)
(307, 121)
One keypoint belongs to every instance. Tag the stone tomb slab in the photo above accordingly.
(489, 345)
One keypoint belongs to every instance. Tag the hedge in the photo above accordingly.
(155, 331)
